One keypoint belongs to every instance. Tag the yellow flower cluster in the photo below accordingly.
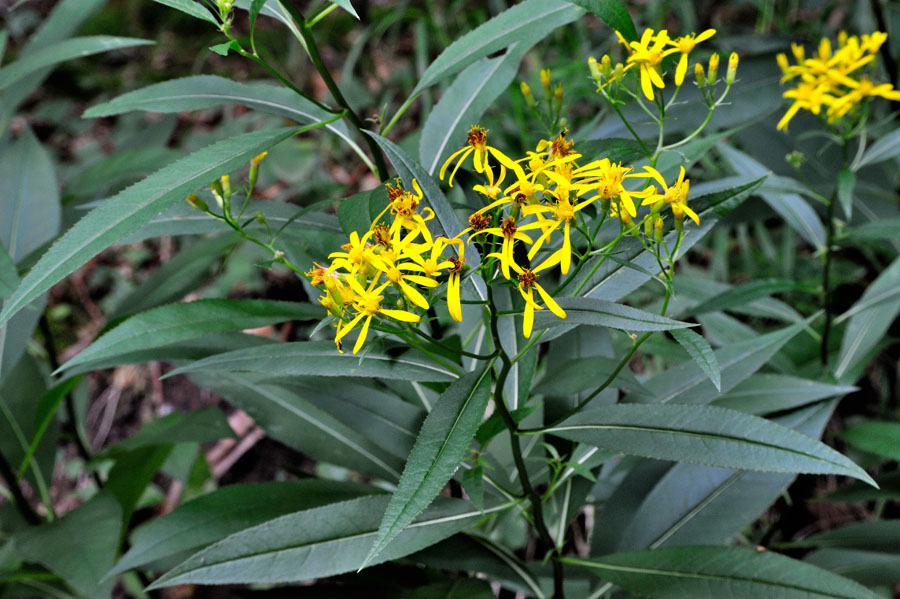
(546, 196)
(384, 271)
(833, 78)
(647, 55)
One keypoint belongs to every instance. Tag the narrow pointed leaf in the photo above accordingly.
(532, 19)
(698, 572)
(316, 543)
(876, 535)
(884, 149)
(702, 354)
(614, 14)
(9, 278)
(765, 393)
(195, 9)
(845, 184)
(320, 358)
(869, 318)
(201, 92)
(602, 313)
(178, 322)
(228, 510)
(442, 444)
(688, 383)
(129, 210)
(705, 435)
(880, 438)
(77, 47)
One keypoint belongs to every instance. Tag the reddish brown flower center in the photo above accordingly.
(479, 222)
(477, 136)
(527, 278)
(509, 228)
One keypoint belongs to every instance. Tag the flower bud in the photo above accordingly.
(783, 62)
(701, 76)
(195, 201)
(226, 186)
(619, 73)
(526, 91)
(260, 218)
(545, 80)
(658, 230)
(678, 213)
(595, 71)
(558, 96)
(606, 66)
(648, 226)
(713, 68)
(732, 68)
(605, 205)
(216, 188)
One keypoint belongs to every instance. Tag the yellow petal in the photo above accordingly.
(453, 302)
(362, 334)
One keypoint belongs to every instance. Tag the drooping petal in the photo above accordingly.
(453, 302)
(362, 334)
(413, 294)
(681, 70)
(447, 162)
(401, 315)
(550, 302)
(646, 84)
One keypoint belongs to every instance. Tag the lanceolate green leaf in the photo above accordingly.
(442, 444)
(705, 435)
(744, 294)
(602, 313)
(77, 47)
(289, 418)
(177, 322)
(702, 354)
(871, 317)
(9, 278)
(697, 572)
(885, 148)
(880, 438)
(688, 383)
(764, 393)
(96, 526)
(195, 9)
(614, 14)
(846, 183)
(875, 535)
(207, 91)
(320, 358)
(228, 510)
(133, 207)
(529, 20)
(317, 543)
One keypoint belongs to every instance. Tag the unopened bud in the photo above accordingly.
(195, 201)
(226, 186)
(795, 159)
(783, 62)
(526, 91)
(278, 255)
(595, 71)
(606, 66)
(658, 230)
(563, 123)
(254, 169)
(605, 204)
(619, 73)
(260, 218)
(701, 76)
(713, 68)
(678, 213)
(558, 96)
(216, 188)
(648, 227)
(258, 158)
(545, 80)
(732, 68)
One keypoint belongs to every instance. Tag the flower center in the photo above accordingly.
(527, 278)
(477, 136)
(509, 228)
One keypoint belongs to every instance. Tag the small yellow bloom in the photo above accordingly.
(527, 284)
(648, 54)
(367, 304)
(675, 196)
(685, 45)
(476, 140)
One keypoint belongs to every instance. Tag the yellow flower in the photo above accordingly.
(648, 54)
(806, 96)
(476, 141)
(356, 254)
(864, 88)
(367, 304)
(527, 284)
(685, 44)
(403, 206)
(608, 179)
(433, 265)
(395, 275)
(675, 196)
(509, 233)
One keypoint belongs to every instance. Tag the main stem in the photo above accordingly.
(826, 271)
(12, 483)
(537, 507)
(313, 51)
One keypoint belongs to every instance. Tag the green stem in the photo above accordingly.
(9, 477)
(313, 51)
(533, 496)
